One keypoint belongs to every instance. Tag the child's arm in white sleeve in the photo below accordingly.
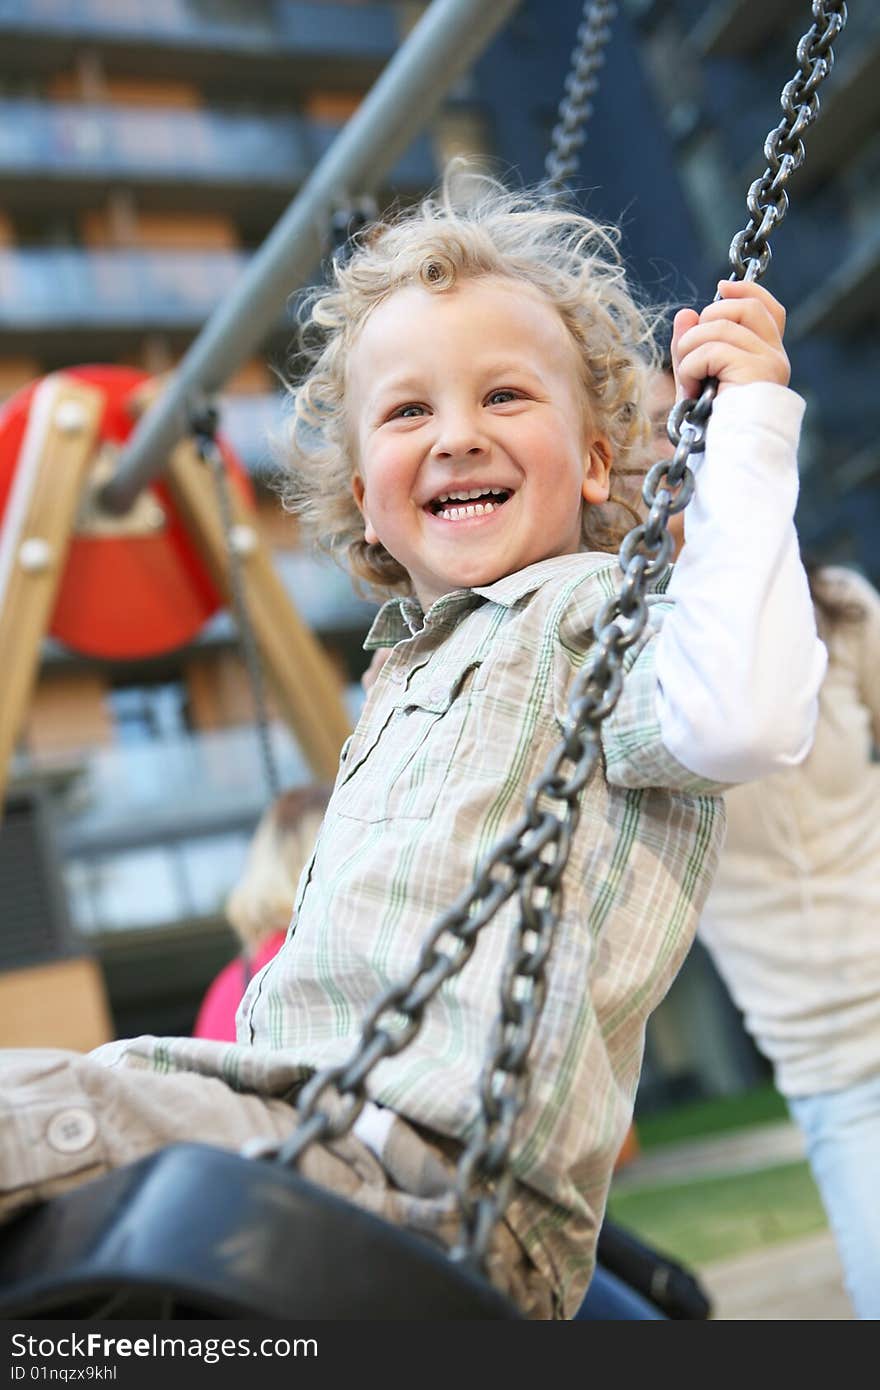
(738, 661)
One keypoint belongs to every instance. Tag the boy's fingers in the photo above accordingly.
(747, 289)
(737, 339)
(751, 313)
(730, 361)
(684, 320)
(728, 332)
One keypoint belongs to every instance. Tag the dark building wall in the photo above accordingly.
(717, 70)
(628, 172)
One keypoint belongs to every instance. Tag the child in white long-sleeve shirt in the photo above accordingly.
(479, 377)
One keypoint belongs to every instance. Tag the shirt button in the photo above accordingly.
(71, 1130)
(436, 693)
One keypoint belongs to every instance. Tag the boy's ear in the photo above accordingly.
(596, 484)
(359, 493)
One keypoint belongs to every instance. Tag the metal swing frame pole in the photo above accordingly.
(446, 40)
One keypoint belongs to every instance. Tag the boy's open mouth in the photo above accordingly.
(470, 502)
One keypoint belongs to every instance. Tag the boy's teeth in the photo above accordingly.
(460, 513)
(470, 495)
(468, 506)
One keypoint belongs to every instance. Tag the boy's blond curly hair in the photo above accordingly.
(448, 238)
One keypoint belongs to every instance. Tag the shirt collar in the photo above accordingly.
(400, 618)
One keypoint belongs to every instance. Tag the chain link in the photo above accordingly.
(581, 85)
(767, 199)
(204, 427)
(530, 860)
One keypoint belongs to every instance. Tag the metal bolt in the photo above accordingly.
(70, 417)
(35, 555)
(243, 540)
(151, 514)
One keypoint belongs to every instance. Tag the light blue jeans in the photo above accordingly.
(842, 1130)
(610, 1299)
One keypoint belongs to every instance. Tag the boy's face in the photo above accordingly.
(469, 421)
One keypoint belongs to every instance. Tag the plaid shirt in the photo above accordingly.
(461, 719)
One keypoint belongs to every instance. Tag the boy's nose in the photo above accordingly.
(459, 437)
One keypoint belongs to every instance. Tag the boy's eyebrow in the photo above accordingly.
(393, 388)
(406, 382)
(392, 385)
(506, 366)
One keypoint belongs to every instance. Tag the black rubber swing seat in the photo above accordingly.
(193, 1231)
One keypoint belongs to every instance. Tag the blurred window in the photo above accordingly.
(155, 886)
(147, 713)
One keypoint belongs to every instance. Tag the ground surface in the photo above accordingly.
(740, 1209)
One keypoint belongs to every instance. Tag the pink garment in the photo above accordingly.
(216, 1016)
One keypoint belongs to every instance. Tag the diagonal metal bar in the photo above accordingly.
(446, 40)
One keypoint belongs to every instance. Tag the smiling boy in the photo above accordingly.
(479, 376)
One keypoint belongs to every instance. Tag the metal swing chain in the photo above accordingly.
(581, 85)
(530, 860)
(767, 199)
(204, 427)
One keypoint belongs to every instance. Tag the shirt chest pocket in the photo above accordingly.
(400, 768)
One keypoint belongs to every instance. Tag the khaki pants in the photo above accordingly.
(66, 1117)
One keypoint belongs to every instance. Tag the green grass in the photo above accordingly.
(762, 1105)
(715, 1218)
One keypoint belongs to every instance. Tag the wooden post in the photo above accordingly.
(306, 683)
(39, 520)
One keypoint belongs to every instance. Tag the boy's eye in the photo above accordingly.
(407, 412)
(501, 396)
